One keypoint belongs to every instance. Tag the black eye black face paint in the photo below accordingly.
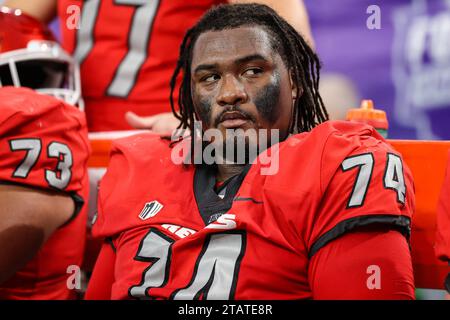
(267, 99)
(204, 111)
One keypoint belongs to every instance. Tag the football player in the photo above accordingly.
(128, 49)
(43, 164)
(332, 222)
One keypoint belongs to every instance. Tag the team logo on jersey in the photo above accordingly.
(150, 210)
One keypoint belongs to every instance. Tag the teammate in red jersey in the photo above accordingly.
(43, 184)
(43, 165)
(128, 49)
(442, 247)
(330, 222)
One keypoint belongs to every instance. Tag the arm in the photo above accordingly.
(27, 219)
(102, 278)
(164, 123)
(293, 11)
(365, 264)
(43, 10)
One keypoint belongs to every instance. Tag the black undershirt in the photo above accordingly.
(209, 201)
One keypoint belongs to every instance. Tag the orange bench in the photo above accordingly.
(427, 161)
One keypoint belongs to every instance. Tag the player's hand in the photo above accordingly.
(163, 124)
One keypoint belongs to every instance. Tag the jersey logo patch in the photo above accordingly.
(150, 210)
(224, 222)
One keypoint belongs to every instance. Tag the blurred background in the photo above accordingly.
(404, 65)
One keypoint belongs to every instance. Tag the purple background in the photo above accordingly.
(384, 64)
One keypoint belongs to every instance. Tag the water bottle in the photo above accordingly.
(366, 113)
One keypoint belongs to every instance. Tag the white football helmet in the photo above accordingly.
(31, 57)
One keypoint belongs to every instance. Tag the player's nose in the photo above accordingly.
(232, 92)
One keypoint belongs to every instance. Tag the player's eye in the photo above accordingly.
(210, 78)
(253, 71)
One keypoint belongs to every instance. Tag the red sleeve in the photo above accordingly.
(364, 264)
(442, 247)
(102, 278)
(364, 181)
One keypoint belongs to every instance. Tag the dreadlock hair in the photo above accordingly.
(299, 58)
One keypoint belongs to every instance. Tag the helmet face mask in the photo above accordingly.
(30, 57)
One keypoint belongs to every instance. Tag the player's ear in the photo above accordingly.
(297, 90)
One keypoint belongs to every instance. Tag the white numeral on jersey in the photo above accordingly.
(215, 273)
(155, 248)
(58, 178)
(85, 35)
(393, 176)
(127, 72)
(33, 148)
(138, 39)
(365, 164)
(58, 150)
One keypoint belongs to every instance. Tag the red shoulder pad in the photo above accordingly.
(44, 141)
(363, 181)
(137, 164)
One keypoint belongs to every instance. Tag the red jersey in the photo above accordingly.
(442, 247)
(44, 145)
(175, 238)
(127, 51)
